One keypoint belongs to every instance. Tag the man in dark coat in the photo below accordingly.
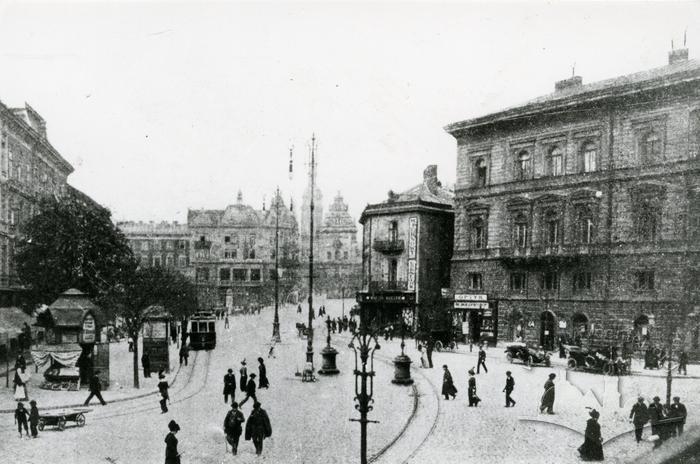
(510, 386)
(639, 416)
(656, 415)
(33, 418)
(184, 353)
(473, 398)
(548, 396)
(448, 386)
(249, 390)
(171, 454)
(243, 377)
(429, 347)
(146, 364)
(482, 360)
(683, 363)
(592, 448)
(20, 363)
(163, 389)
(229, 386)
(258, 427)
(232, 426)
(263, 382)
(677, 412)
(95, 389)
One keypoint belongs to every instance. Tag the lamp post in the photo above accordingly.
(310, 336)
(328, 354)
(362, 342)
(342, 299)
(276, 322)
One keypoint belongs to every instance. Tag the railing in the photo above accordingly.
(389, 246)
(376, 286)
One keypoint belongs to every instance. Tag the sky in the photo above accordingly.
(161, 106)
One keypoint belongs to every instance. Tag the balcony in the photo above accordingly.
(389, 247)
(392, 285)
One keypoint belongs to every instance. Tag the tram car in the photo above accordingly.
(203, 331)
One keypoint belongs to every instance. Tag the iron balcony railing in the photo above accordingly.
(378, 286)
(392, 246)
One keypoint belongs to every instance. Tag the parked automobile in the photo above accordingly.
(595, 361)
(526, 354)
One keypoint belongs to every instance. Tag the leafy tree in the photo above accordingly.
(147, 287)
(71, 244)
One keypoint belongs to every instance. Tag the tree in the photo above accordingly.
(71, 244)
(147, 287)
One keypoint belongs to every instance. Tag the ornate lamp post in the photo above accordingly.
(402, 363)
(276, 322)
(365, 343)
(328, 353)
(310, 336)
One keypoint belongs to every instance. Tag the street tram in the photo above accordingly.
(203, 331)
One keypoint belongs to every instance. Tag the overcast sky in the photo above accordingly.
(161, 107)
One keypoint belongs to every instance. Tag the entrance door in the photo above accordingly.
(547, 330)
(475, 324)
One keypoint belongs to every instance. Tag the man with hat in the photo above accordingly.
(548, 396)
(592, 448)
(33, 418)
(258, 427)
(171, 454)
(510, 386)
(163, 389)
(656, 415)
(249, 390)
(95, 389)
(243, 371)
(232, 426)
(448, 386)
(639, 416)
(678, 413)
(471, 392)
(229, 386)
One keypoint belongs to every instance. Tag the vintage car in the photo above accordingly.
(526, 354)
(595, 361)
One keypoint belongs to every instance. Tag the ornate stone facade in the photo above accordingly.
(165, 244)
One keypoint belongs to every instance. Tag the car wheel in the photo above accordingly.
(571, 363)
(80, 420)
(438, 346)
(41, 424)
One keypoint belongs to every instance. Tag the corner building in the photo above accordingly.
(578, 212)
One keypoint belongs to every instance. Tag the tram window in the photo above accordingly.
(194, 327)
(203, 327)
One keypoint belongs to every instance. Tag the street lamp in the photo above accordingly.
(362, 342)
(310, 336)
(276, 322)
(328, 353)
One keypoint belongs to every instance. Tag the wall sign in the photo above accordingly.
(89, 329)
(471, 305)
(470, 297)
(412, 253)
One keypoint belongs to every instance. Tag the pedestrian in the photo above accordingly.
(249, 390)
(171, 454)
(20, 391)
(548, 397)
(271, 352)
(262, 371)
(683, 363)
(510, 386)
(656, 415)
(678, 413)
(592, 448)
(471, 392)
(482, 359)
(232, 426)
(448, 386)
(21, 419)
(146, 364)
(184, 353)
(243, 378)
(298, 309)
(163, 389)
(226, 324)
(639, 416)
(131, 345)
(258, 427)
(429, 346)
(423, 357)
(95, 389)
(20, 363)
(229, 386)
(33, 418)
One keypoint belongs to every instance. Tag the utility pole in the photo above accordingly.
(310, 336)
(276, 322)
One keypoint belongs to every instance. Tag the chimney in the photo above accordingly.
(573, 81)
(677, 56)
(430, 178)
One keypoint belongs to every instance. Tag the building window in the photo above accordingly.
(589, 157)
(480, 172)
(555, 162)
(255, 275)
(227, 239)
(169, 245)
(393, 231)
(227, 254)
(169, 261)
(252, 254)
(202, 274)
(550, 281)
(582, 281)
(551, 228)
(650, 147)
(345, 255)
(329, 255)
(478, 233)
(648, 214)
(523, 167)
(202, 238)
(585, 227)
(144, 246)
(156, 261)
(225, 274)
(393, 269)
(182, 244)
(518, 281)
(520, 231)
(475, 282)
(182, 261)
(644, 280)
(337, 255)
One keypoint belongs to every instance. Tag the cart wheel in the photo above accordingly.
(41, 424)
(509, 357)
(438, 346)
(61, 423)
(80, 419)
(452, 345)
(571, 363)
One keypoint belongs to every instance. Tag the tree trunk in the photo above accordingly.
(135, 338)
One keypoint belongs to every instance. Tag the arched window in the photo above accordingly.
(520, 226)
(651, 147)
(555, 162)
(585, 226)
(480, 172)
(478, 233)
(524, 165)
(337, 255)
(551, 227)
(589, 157)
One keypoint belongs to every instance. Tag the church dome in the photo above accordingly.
(240, 214)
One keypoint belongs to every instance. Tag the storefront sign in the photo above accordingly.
(470, 297)
(562, 324)
(412, 253)
(89, 329)
(470, 305)
(383, 298)
(155, 329)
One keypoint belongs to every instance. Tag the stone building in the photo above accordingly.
(162, 244)
(578, 213)
(232, 252)
(406, 251)
(30, 167)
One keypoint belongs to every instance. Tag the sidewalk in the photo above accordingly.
(120, 388)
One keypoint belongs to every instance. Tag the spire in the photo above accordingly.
(239, 197)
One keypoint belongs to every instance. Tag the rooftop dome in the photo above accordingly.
(240, 215)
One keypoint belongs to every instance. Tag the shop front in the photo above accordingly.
(388, 308)
(479, 317)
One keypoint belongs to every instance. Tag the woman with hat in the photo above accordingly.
(171, 454)
(448, 386)
(163, 389)
(592, 448)
(244, 375)
(263, 382)
(471, 392)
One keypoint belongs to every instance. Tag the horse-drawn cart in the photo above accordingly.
(59, 417)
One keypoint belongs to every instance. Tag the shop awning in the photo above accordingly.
(66, 354)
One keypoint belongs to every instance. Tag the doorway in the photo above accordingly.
(547, 330)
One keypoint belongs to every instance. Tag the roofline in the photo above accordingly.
(577, 99)
(379, 209)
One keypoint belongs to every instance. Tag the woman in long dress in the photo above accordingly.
(423, 357)
(448, 386)
(20, 387)
(592, 448)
